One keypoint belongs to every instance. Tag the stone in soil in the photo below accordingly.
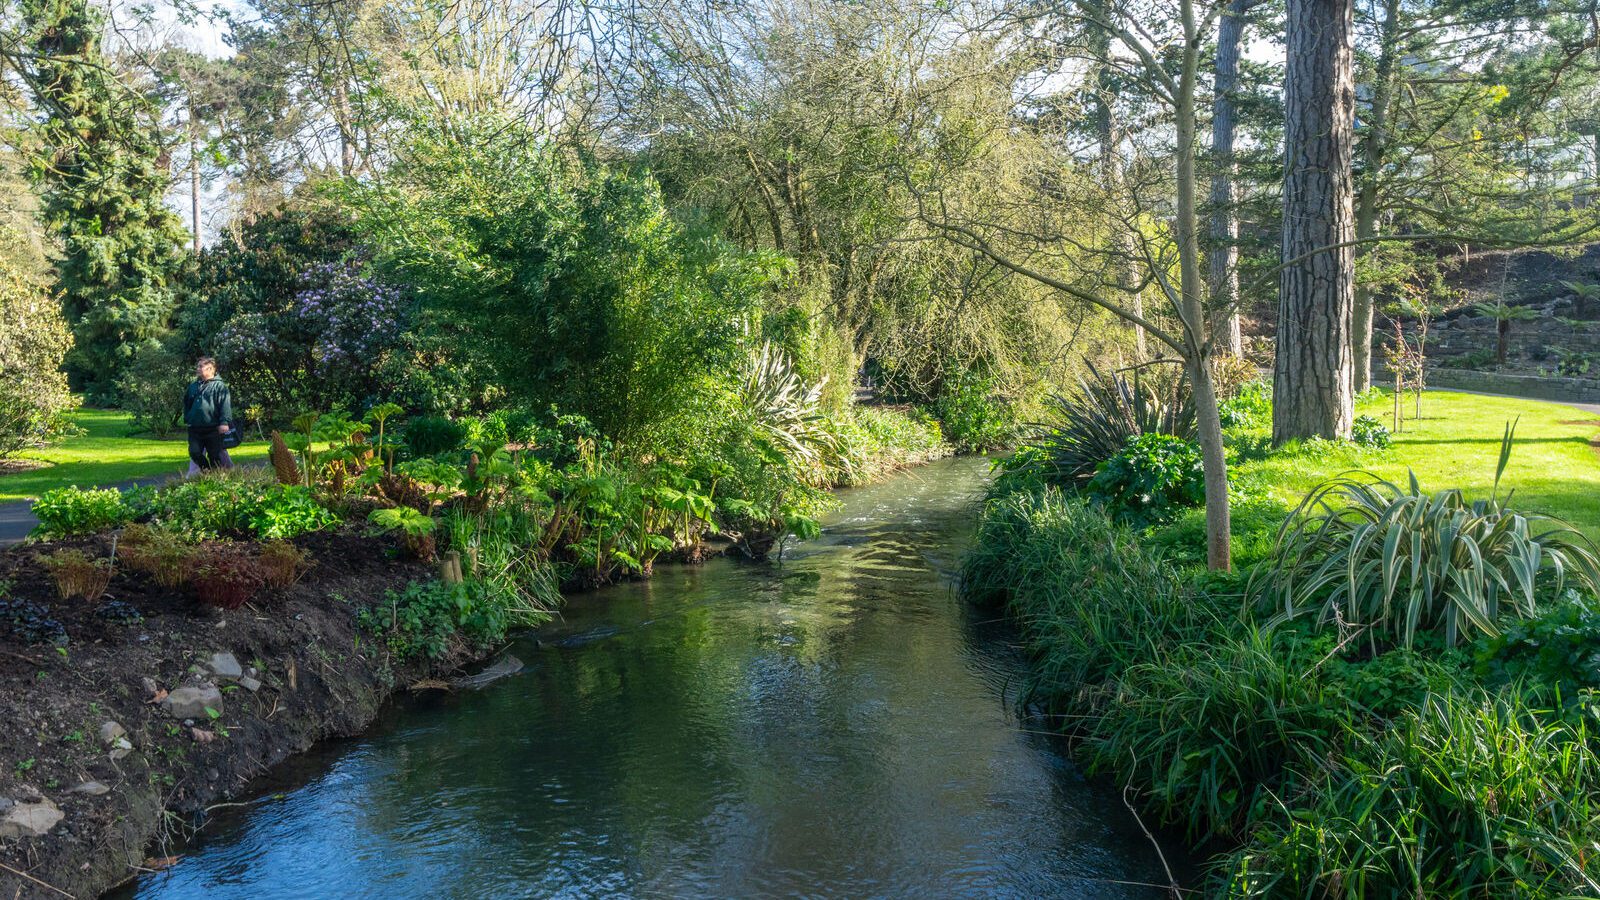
(191, 702)
(225, 665)
(26, 820)
(250, 684)
(91, 788)
(110, 731)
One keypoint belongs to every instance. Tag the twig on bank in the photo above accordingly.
(36, 881)
(1172, 883)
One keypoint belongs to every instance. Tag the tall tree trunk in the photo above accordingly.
(194, 181)
(1312, 394)
(1374, 152)
(1191, 307)
(1223, 262)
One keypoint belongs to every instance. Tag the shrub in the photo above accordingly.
(237, 504)
(1250, 407)
(876, 440)
(161, 553)
(282, 563)
(415, 529)
(1364, 553)
(1097, 422)
(581, 290)
(1150, 479)
(34, 340)
(428, 617)
(227, 577)
(70, 511)
(1555, 654)
(77, 574)
(151, 386)
(26, 622)
(427, 436)
(973, 416)
(1369, 432)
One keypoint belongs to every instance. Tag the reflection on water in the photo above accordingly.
(834, 726)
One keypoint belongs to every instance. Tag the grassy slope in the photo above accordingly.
(1555, 466)
(106, 454)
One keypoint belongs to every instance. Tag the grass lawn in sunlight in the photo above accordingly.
(106, 453)
(1554, 468)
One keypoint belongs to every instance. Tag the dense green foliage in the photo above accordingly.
(1333, 767)
(69, 511)
(1152, 476)
(100, 163)
(237, 504)
(578, 287)
(34, 341)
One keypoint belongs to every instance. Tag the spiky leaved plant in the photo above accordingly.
(1093, 424)
(1365, 553)
(786, 413)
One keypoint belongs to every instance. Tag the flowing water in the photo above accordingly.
(837, 725)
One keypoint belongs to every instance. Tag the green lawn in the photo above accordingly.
(105, 454)
(1555, 464)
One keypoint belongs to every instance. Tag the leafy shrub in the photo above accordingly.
(1556, 652)
(159, 552)
(227, 577)
(1151, 478)
(282, 563)
(240, 503)
(974, 417)
(1249, 408)
(70, 511)
(1369, 432)
(151, 386)
(1097, 422)
(581, 290)
(427, 436)
(1475, 359)
(34, 340)
(77, 574)
(415, 529)
(26, 622)
(877, 440)
(1365, 553)
(428, 617)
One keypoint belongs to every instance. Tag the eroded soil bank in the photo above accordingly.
(121, 738)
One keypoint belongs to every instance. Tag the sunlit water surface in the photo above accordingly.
(837, 725)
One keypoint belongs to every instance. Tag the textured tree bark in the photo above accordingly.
(1312, 395)
(1222, 263)
(1374, 149)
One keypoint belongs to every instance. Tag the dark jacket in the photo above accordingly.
(207, 404)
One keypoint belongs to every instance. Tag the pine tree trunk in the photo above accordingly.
(1222, 264)
(1312, 389)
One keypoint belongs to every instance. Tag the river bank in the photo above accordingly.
(142, 710)
(134, 728)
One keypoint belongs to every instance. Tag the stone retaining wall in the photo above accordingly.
(1561, 390)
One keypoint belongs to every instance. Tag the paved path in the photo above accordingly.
(17, 518)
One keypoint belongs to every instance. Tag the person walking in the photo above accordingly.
(208, 411)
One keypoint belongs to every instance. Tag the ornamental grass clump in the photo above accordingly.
(77, 574)
(161, 553)
(282, 563)
(1367, 555)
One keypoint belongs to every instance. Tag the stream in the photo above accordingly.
(839, 724)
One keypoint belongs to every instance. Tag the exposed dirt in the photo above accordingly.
(319, 677)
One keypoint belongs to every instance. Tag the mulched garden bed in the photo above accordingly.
(307, 674)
